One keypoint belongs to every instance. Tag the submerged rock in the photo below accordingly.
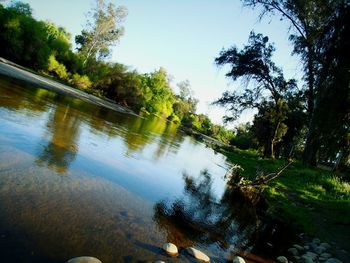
(198, 254)
(84, 259)
(238, 260)
(282, 259)
(171, 249)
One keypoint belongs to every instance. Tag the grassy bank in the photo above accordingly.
(315, 201)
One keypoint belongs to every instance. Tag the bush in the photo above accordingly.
(82, 82)
(58, 69)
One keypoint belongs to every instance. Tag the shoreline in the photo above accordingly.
(12, 70)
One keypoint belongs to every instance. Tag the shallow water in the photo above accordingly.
(78, 179)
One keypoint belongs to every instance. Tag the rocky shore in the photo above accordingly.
(314, 251)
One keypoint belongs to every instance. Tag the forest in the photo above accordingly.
(309, 121)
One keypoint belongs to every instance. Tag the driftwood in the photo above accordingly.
(237, 180)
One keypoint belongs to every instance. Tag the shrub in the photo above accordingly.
(81, 81)
(58, 69)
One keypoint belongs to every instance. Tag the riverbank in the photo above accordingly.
(315, 202)
(13, 70)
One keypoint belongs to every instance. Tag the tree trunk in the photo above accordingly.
(311, 147)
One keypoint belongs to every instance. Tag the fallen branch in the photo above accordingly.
(238, 180)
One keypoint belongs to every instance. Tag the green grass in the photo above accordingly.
(314, 200)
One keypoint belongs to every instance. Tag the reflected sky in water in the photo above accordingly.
(78, 179)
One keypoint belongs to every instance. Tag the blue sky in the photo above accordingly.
(183, 36)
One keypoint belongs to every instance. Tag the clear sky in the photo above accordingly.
(183, 36)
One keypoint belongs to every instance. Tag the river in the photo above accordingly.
(77, 179)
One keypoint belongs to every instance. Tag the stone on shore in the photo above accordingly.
(238, 259)
(298, 247)
(84, 259)
(282, 259)
(198, 254)
(170, 249)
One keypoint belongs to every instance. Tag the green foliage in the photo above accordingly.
(319, 33)
(82, 82)
(243, 137)
(103, 30)
(56, 68)
(23, 38)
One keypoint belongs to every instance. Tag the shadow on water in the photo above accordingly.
(235, 223)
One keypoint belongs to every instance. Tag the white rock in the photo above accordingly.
(84, 259)
(238, 259)
(333, 260)
(159, 261)
(197, 254)
(170, 249)
(282, 259)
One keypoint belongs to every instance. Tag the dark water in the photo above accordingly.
(78, 179)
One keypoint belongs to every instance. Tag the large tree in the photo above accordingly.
(103, 30)
(264, 86)
(319, 30)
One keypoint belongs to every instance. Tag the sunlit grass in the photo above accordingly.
(305, 196)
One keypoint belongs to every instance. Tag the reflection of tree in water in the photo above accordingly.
(63, 126)
(199, 218)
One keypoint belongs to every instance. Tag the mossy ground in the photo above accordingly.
(314, 200)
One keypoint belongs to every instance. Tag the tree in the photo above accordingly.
(264, 85)
(319, 34)
(102, 31)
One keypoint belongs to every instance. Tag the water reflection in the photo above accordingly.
(119, 165)
(199, 218)
(63, 128)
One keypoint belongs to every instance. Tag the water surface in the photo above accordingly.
(79, 179)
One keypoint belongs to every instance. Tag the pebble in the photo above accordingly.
(238, 260)
(197, 254)
(170, 249)
(282, 259)
(84, 260)
(159, 261)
